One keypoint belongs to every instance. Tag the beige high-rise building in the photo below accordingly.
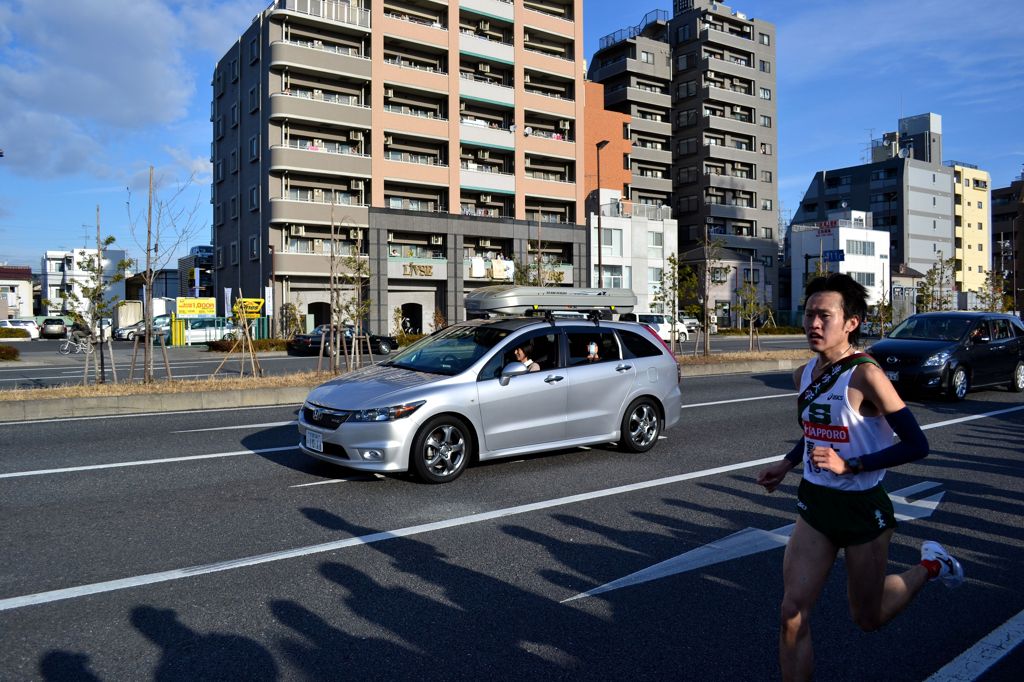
(972, 226)
(439, 138)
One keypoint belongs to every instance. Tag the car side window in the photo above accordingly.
(1001, 330)
(544, 350)
(636, 346)
(592, 346)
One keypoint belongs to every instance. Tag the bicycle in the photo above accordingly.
(69, 346)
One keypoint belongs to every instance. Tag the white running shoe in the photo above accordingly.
(951, 573)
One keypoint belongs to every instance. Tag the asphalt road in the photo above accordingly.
(204, 546)
(41, 365)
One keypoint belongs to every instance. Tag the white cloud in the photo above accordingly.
(214, 27)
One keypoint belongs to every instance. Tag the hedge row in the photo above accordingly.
(763, 331)
(259, 344)
(9, 353)
(11, 333)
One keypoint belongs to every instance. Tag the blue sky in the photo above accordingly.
(95, 91)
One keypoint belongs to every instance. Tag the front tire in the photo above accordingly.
(130, 336)
(384, 348)
(441, 449)
(959, 383)
(64, 348)
(641, 426)
(1017, 380)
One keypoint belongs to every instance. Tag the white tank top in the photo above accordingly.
(830, 422)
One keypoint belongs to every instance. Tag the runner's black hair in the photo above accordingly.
(855, 297)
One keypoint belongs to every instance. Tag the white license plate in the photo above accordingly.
(315, 441)
(893, 376)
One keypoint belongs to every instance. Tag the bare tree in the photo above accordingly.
(169, 223)
(678, 285)
(935, 291)
(992, 295)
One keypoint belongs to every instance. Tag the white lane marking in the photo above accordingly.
(240, 426)
(972, 664)
(132, 415)
(347, 479)
(739, 400)
(165, 460)
(177, 574)
(755, 540)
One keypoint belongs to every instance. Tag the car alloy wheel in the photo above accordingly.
(641, 426)
(1017, 383)
(441, 450)
(384, 348)
(959, 384)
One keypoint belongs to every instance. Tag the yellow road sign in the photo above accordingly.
(249, 308)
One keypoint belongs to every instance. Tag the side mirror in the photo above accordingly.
(512, 369)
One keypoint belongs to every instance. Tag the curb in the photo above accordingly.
(748, 367)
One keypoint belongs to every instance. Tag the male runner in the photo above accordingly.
(848, 410)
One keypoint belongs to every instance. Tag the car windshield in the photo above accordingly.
(449, 351)
(932, 328)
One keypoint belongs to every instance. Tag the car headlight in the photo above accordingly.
(386, 414)
(938, 359)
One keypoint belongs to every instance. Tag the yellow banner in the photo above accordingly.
(249, 308)
(197, 307)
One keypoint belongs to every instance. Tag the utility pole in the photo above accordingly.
(600, 246)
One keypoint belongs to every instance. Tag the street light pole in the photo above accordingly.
(600, 248)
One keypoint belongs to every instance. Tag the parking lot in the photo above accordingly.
(204, 545)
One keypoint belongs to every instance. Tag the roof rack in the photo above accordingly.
(518, 300)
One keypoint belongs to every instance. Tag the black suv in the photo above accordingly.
(952, 352)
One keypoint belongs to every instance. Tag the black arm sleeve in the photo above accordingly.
(796, 455)
(912, 446)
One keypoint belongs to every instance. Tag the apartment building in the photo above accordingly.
(15, 292)
(972, 230)
(700, 87)
(62, 274)
(423, 136)
(1008, 238)
(906, 189)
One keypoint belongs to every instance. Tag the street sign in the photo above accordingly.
(834, 256)
(191, 307)
(249, 307)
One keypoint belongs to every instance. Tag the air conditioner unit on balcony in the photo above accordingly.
(318, 195)
(563, 124)
(355, 135)
(483, 154)
(485, 25)
(318, 246)
(297, 230)
(318, 143)
(462, 106)
(526, 78)
(436, 239)
(389, 139)
(318, 94)
(711, 74)
(485, 67)
(485, 198)
(389, 92)
(356, 184)
(391, 237)
(355, 234)
(526, 37)
(485, 243)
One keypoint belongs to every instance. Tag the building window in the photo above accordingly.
(719, 275)
(766, 233)
(655, 245)
(683, 33)
(220, 256)
(254, 248)
(764, 38)
(979, 205)
(766, 148)
(625, 161)
(234, 70)
(218, 214)
(234, 253)
(751, 275)
(254, 148)
(765, 66)
(765, 93)
(234, 160)
(219, 127)
(218, 171)
(864, 278)
(767, 261)
(654, 276)
(234, 115)
(611, 242)
(616, 276)
(860, 248)
(766, 204)
(254, 100)
(254, 51)
(625, 131)
(254, 198)
(981, 247)
(234, 207)
(766, 121)
(766, 176)
(646, 57)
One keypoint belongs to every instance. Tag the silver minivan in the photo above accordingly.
(462, 394)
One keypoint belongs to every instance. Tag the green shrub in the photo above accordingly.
(405, 339)
(9, 352)
(763, 331)
(11, 333)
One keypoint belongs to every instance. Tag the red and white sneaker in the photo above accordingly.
(950, 572)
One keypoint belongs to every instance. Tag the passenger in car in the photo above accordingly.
(522, 354)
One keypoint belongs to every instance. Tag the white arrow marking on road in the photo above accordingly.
(754, 540)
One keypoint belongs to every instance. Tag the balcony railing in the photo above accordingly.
(466, 165)
(398, 62)
(326, 148)
(422, 159)
(329, 97)
(319, 45)
(413, 111)
(413, 19)
(331, 10)
(484, 79)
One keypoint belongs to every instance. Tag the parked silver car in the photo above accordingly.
(460, 394)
